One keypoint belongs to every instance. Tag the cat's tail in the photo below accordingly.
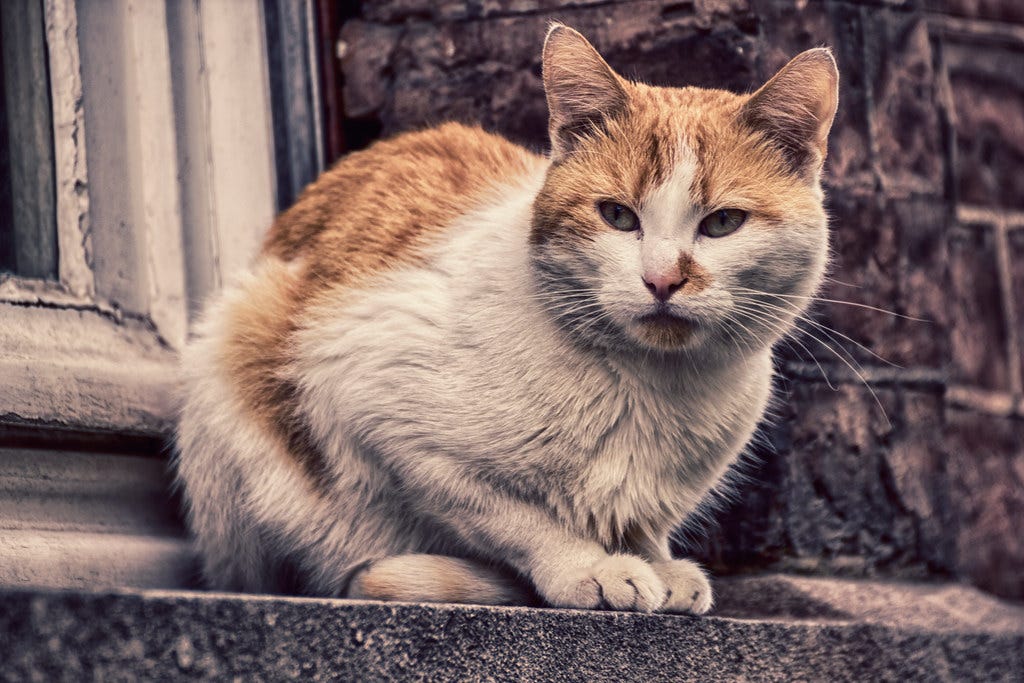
(437, 578)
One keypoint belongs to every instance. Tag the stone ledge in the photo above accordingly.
(896, 632)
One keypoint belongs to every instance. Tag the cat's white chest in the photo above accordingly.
(456, 363)
(658, 457)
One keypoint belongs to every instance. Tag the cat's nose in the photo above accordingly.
(663, 285)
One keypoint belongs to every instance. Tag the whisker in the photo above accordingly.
(833, 280)
(855, 371)
(831, 332)
(785, 336)
(833, 301)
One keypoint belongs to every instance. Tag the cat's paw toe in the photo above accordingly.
(629, 583)
(689, 590)
(618, 582)
(578, 590)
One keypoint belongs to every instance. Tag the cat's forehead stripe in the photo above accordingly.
(665, 203)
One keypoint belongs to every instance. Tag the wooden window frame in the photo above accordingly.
(152, 171)
(167, 146)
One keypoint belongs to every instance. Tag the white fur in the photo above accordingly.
(460, 417)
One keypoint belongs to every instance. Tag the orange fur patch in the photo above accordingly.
(436, 578)
(379, 207)
(696, 278)
(257, 356)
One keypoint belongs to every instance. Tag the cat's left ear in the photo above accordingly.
(582, 90)
(796, 108)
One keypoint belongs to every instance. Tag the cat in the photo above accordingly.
(460, 371)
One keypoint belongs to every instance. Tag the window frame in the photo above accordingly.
(156, 209)
(89, 351)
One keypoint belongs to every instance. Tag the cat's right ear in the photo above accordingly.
(795, 109)
(582, 90)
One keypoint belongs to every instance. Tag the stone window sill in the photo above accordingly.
(815, 629)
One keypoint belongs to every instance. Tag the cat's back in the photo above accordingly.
(383, 205)
(379, 211)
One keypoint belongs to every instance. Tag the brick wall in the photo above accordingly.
(914, 468)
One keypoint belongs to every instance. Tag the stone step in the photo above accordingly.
(765, 628)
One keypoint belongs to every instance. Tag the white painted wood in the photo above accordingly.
(74, 242)
(75, 559)
(30, 195)
(76, 354)
(134, 204)
(80, 491)
(171, 103)
(309, 13)
(72, 519)
(192, 105)
(151, 122)
(140, 91)
(242, 150)
(223, 98)
(84, 369)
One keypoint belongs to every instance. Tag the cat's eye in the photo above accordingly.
(722, 222)
(618, 216)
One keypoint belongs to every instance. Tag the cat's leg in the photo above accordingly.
(566, 569)
(687, 585)
(436, 578)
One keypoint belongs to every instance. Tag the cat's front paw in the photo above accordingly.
(688, 587)
(620, 582)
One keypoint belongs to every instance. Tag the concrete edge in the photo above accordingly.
(180, 634)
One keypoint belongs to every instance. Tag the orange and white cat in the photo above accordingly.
(460, 371)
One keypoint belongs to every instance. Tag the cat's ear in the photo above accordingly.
(796, 108)
(581, 88)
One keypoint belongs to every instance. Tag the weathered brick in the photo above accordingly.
(905, 122)
(489, 71)
(788, 29)
(397, 11)
(919, 481)
(887, 125)
(922, 226)
(985, 461)
(977, 328)
(1015, 242)
(891, 256)
(839, 503)
(864, 272)
(366, 62)
(832, 494)
(992, 10)
(987, 82)
(937, 492)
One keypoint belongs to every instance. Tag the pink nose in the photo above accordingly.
(664, 285)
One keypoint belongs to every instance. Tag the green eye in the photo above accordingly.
(618, 216)
(722, 222)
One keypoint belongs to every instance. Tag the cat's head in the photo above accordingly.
(681, 219)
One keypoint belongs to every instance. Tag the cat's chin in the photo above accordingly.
(663, 330)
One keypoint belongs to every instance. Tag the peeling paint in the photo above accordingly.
(73, 227)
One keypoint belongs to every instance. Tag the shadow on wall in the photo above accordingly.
(903, 453)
